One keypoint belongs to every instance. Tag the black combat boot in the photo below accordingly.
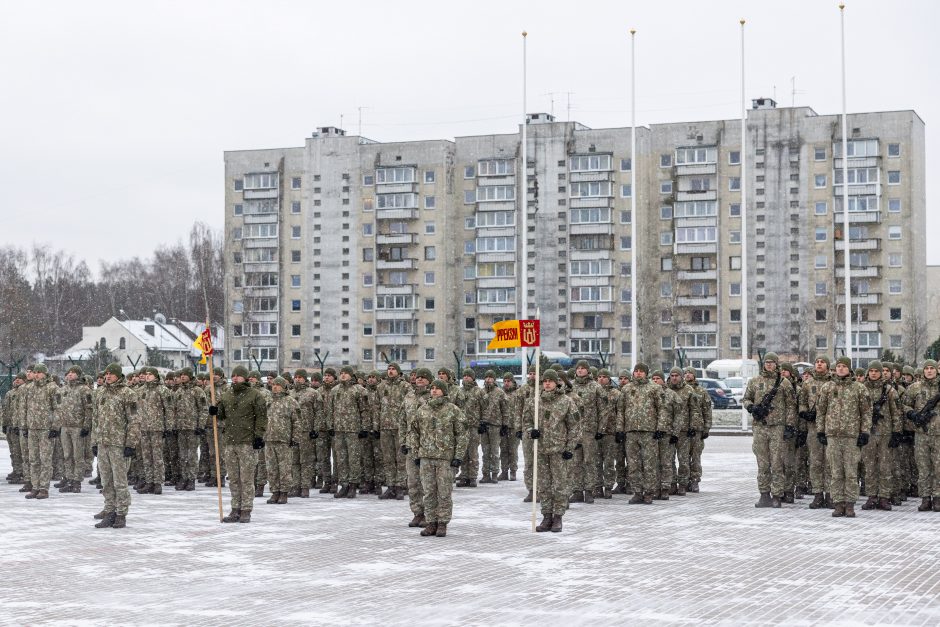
(429, 530)
(925, 504)
(576, 497)
(817, 501)
(340, 494)
(351, 492)
(244, 516)
(936, 505)
(884, 504)
(106, 521)
(27, 487)
(367, 488)
(528, 498)
(636, 499)
(325, 489)
(838, 510)
(417, 521)
(259, 491)
(680, 490)
(828, 500)
(546, 524)
(848, 508)
(388, 494)
(556, 523)
(305, 493)
(101, 515)
(120, 521)
(471, 483)
(273, 499)
(764, 500)
(693, 486)
(775, 502)
(60, 484)
(232, 517)
(648, 498)
(157, 488)
(788, 497)
(871, 503)
(400, 492)
(503, 476)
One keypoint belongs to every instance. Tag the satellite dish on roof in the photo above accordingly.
(160, 318)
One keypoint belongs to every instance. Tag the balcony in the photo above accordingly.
(690, 195)
(584, 177)
(590, 334)
(396, 214)
(382, 290)
(701, 327)
(594, 201)
(252, 194)
(860, 272)
(260, 266)
(497, 205)
(697, 275)
(397, 264)
(858, 217)
(697, 301)
(591, 228)
(864, 189)
(601, 280)
(594, 306)
(396, 188)
(589, 255)
(260, 218)
(260, 316)
(694, 222)
(861, 162)
(260, 242)
(703, 168)
(484, 180)
(872, 243)
(395, 314)
(496, 231)
(501, 281)
(487, 257)
(860, 299)
(396, 340)
(257, 292)
(496, 308)
(866, 327)
(259, 341)
(396, 238)
(704, 248)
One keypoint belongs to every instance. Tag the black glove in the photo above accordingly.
(821, 437)
(481, 429)
(128, 451)
(658, 435)
(620, 437)
(167, 433)
(911, 415)
(456, 462)
(519, 434)
(789, 432)
(749, 409)
(376, 435)
(404, 449)
(862, 439)
(577, 446)
(213, 410)
(330, 432)
(16, 430)
(53, 434)
(293, 444)
(691, 433)
(175, 432)
(802, 415)
(801, 439)
(363, 434)
(567, 454)
(704, 435)
(535, 434)
(313, 435)
(673, 439)
(418, 461)
(94, 450)
(257, 444)
(199, 431)
(598, 436)
(895, 440)
(760, 413)
(504, 430)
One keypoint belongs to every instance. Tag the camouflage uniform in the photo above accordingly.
(285, 429)
(768, 444)
(496, 420)
(74, 416)
(261, 470)
(304, 455)
(389, 420)
(790, 437)
(885, 435)
(372, 474)
(642, 416)
(153, 403)
(666, 470)
(11, 411)
(349, 420)
(472, 406)
(818, 467)
(116, 432)
(688, 429)
(191, 422)
(525, 393)
(607, 446)
(508, 443)
(584, 477)
(324, 439)
(843, 413)
(40, 416)
(415, 399)
(926, 439)
(559, 429)
(702, 425)
(243, 416)
(171, 448)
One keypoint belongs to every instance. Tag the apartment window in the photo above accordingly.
(665, 264)
(626, 217)
(626, 190)
(430, 253)
(626, 164)
(368, 204)
(734, 157)
(367, 229)
(295, 256)
(367, 304)
(734, 289)
(626, 269)
(429, 176)
(469, 196)
(429, 328)
(821, 207)
(820, 181)
(819, 153)
(821, 234)
(894, 177)
(429, 278)
(430, 202)
(821, 289)
(469, 247)
(894, 314)
(238, 185)
(470, 222)
(429, 354)
(821, 261)
(665, 212)
(626, 321)
(468, 172)
(470, 324)
(821, 342)
(665, 316)
(894, 286)
(665, 290)
(698, 264)
(295, 232)
(237, 233)
(626, 242)
(469, 272)
(894, 150)
(665, 238)
(734, 237)
(894, 260)
(665, 187)
(236, 257)
(735, 315)
(295, 280)
(295, 182)
(820, 315)
(239, 209)
(626, 347)
(734, 209)
(894, 232)
(894, 205)
(665, 161)
(894, 341)
(295, 305)
(626, 295)
(368, 254)
(734, 262)
(666, 342)
(734, 183)
(429, 304)
(367, 279)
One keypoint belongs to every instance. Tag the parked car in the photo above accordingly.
(722, 397)
(737, 385)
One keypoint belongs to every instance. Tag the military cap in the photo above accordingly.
(468, 372)
(21, 376)
(114, 369)
(624, 373)
(40, 368)
(203, 376)
(928, 363)
(508, 375)
(76, 369)
(557, 367)
(675, 370)
(859, 372)
(424, 373)
(439, 384)
(348, 370)
(845, 361)
(240, 371)
(281, 381)
(823, 359)
(772, 357)
(875, 365)
(316, 376)
(603, 372)
(582, 363)
(786, 365)
(531, 369)
(330, 371)
(489, 374)
(254, 374)
(657, 373)
(218, 371)
(641, 367)
(394, 364)
(908, 370)
(189, 371)
(300, 372)
(550, 375)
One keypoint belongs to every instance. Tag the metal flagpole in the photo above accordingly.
(215, 429)
(523, 189)
(845, 201)
(634, 271)
(537, 390)
(745, 345)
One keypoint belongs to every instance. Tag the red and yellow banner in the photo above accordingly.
(515, 334)
(204, 344)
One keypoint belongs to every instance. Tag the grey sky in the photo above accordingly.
(114, 115)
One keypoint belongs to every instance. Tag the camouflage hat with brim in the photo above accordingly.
(844, 361)
(424, 373)
(439, 384)
(240, 371)
(114, 369)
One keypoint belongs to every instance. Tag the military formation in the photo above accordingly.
(838, 434)
(388, 434)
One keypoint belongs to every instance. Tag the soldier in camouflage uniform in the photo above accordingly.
(496, 420)
(323, 432)
(305, 453)
(171, 449)
(906, 467)
(526, 392)
(153, 406)
(583, 471)
(349, 423)
(372, 475)
(807, 402)
(843, 423)
(607, 445)
(790, 438)
(115, 437)
(21, 418)
(509, 444)
(243, 414)
(885, 437)
(74, 413)
(261, 470)
(437, 433)
(699, 429)
(40, 416)
(191, 421)
(769, 399)
(391, 416)
(284, 431)
(687, 416)
(559, 432)
(472, 406)
(620, 444)
(666, 446)
(927, 434)
(11, 410)
(416, 398)
(642, 420)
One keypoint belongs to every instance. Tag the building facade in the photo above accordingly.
(353, 251)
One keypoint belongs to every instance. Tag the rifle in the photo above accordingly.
(876, 414)
(762, 409)
(926, 413)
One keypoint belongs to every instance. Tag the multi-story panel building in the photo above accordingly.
(353, 251)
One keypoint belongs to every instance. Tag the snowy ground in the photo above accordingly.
(707, 558)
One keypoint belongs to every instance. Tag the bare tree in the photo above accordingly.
(915, 335)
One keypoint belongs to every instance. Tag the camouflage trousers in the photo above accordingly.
(843, 454)
(508, 452)
(802, 465)
(605, 468)
(372, 461)
(553, 486)
(40, 458)
(16, 453)
(490, 442)
(818, 466)
(643, 458)
(768, 447)
(203, 469)
(437, 485)
(308, 459)
(151, 449)
(24, 452)
(471, 459)
(88, 458)
(58, 460)
(112, 468)
(171, 459)
(188, 443)
(278, 459)
(583, 471)
(905, 468)
(348, 452)
(683, 472)
(324, 444)
(261, 469)
(415, 495)
(73, 453)
(207, 449)
(240, 462)
(927, 455)
(789, 465)
(879, 459)
(666, 471)
(696, 448)
(529, 463)
(622, 467)
(393, 461)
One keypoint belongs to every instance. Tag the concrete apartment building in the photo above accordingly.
(348, 250)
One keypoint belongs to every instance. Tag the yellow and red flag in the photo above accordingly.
(204, 344)
(515, 334)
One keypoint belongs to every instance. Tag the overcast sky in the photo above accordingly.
(114, 115)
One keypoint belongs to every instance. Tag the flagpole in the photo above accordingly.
(745, 345)
(845, 201)
(634, 325)
(215, 428)
(535, 443)
(523, 190)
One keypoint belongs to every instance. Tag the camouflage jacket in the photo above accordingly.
(701, 422)
(782, 408)
(320, 418)
(610, 397)
(516, 402)
(309, 403)
(918, 395)
(808, 398)
(285, 423)
(192, 408)
(154, 406)
(437, 429)
(73, 406)
(374, 406)
(495, 407)
(643, 407)
(416, 398)
(591, 407)
(525, 397)
(348, 408)
(243, 414)
(891, 418)
(7, 409)
(392, 393)
(15, 408)
(40, 404)
(117, 422)
(469, 399)
(688, 409)
(844, 408)
(559, 421)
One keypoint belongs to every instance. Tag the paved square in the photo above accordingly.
(707, 558)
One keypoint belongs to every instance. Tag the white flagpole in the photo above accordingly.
(634, 258)
(537, 390)
(745, 346)
(845, 201)
(523, 190)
